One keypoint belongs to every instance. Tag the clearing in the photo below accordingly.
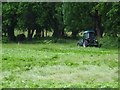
(58, 65)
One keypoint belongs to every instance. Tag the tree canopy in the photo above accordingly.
(60, 18)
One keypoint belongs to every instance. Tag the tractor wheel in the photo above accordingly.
(85, 43)
(78, 44)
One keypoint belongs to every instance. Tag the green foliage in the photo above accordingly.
(0, 8)
(28, 15)
(109, 42)
(110, 17)
(114, 18)
(61, 17)
(76, 16)
(5, 39)
(8, 12)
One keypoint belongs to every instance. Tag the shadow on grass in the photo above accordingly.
(108, 43)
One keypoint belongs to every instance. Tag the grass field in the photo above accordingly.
(58, 65)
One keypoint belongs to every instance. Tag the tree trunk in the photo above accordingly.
(46, 33)
(42, 33)
(29, 34)
(97, 19)
(32, 33)
(10, 29)
(98, 31)
(38, 32)
(11, 34)
(56, 33)
(62, 33)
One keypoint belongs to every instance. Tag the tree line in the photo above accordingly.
(60, 17)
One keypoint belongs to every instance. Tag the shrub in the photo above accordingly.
(20, 37)
(5, 39)
(109, 42)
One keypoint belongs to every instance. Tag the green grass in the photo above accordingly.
(58, 65)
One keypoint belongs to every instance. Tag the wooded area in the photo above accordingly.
(60, 17)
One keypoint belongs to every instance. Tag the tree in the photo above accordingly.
(28, 17)
(110, 17)
(60, 18)
(113, 19)
(9, 17)
(55, 19)
(76, 17)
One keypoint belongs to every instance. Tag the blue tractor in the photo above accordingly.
(88, 39)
